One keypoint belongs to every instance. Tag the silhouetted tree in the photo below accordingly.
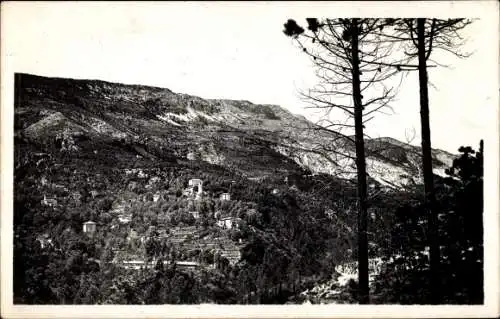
(350, 62)
(422, 37)
(459, 200)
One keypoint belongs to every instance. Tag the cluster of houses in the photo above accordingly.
(194, 191)
(228, 222)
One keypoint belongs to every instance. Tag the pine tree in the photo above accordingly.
(425, 36)
(350, 62)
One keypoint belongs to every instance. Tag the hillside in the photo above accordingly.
(257, 140)
(123, 156)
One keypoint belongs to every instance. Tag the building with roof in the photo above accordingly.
(89, 227)
(195, 214)
(47, 201)
(44, 241)
(228, 222)
(195, 188)
(125, 218)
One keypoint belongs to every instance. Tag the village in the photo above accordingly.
(188, 240)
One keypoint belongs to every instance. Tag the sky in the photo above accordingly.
(238, 51)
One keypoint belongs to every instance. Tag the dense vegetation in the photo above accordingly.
(460, 200)
(290, 244)
(289, 240)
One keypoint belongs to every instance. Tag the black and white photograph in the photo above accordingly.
(209, 154)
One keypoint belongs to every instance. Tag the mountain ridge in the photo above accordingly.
(213, 129)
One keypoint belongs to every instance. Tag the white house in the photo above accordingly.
(44, 240)
(195, 214)
(156, 197)
(228, 222)
(225, 196)
(191, 156)
(196, 183)
(89, 227)
(196, 187)
(48, 201)
(125, 218)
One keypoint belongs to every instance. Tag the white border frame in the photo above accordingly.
(480, 9)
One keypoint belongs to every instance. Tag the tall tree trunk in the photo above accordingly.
(363, 293)
(432, 236)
